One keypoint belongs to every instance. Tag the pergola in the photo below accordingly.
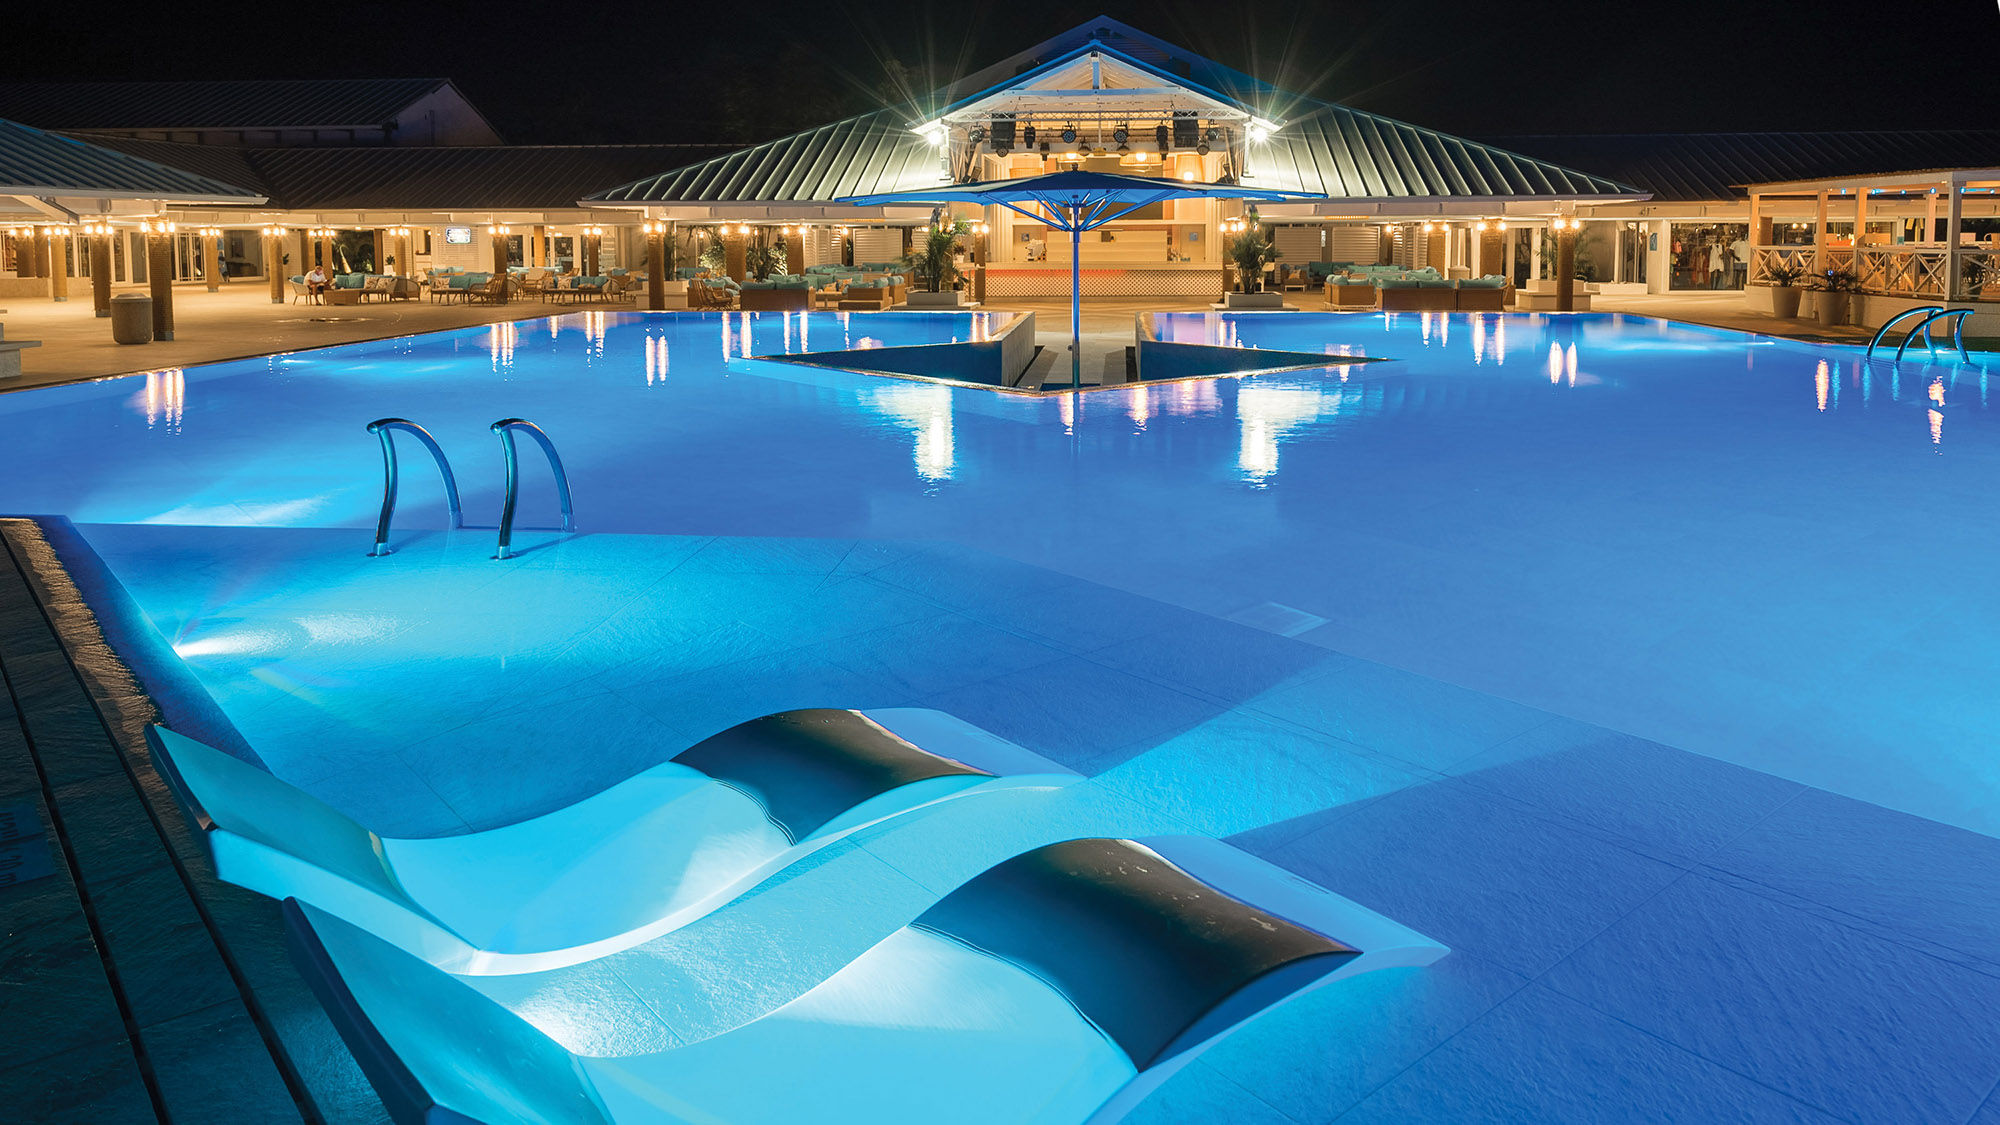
(1882, 213)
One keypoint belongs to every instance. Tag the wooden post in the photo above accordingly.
(656, 266)
(100, 270)
(1954, 255)
(274, 266)
(499, 236)
(1760, 234)
(160, 280)
(592, 242)
(979, 251)
(735, 250)
(538, 250)
(58, 263)
(375, 247)
(795, 251)
(1860, 229)
(213, 273)
(1820, 264)
(1566, 266)
(1930, 217)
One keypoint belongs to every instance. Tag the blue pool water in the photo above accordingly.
(1644, 665)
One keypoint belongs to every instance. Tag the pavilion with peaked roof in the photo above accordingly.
(1106, 97)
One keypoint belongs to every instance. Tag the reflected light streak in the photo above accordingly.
(1267, 416)
(165, 398)
(1820, 390)
(500, 338)
(656, 360)
(1500, 341)
(925, 411)
(1569, 364)
(1555, 363)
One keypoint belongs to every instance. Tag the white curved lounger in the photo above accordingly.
(1058, 988)
(645, 856)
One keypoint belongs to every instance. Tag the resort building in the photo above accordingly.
(406, 176)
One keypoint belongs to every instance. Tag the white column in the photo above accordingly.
(1659, 256)
(1535, 255)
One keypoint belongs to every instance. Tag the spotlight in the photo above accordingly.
(1069, 135)
(1028, 136)
(1201, 149)
(1119, 135)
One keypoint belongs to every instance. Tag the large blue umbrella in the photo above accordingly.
(1074, 202)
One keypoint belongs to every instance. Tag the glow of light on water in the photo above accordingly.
(1555, 363)
(656, 360)
(1569, 364)
(926, 412)
(1820, 381)
(1269, 415)
(1139, 404)
(500, 339)
(165, 398)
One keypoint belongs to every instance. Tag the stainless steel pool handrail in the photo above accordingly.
(1891, 323)
(1957, 332)
(505, 428)
(385, 428)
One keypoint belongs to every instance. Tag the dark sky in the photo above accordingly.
(753, 69)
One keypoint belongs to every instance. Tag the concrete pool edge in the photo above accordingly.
(158, 911)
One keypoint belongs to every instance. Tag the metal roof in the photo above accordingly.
(304, 103)
(1322, 149)
(1347, 154)
(510, 177)
(1685, 167)
(875, 152)
(419, 178)
(33, 162)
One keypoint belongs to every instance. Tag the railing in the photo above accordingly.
(1905, 271)
(505, 428)
(384, 428)
(1923, 328)
(1795, 259)
(1922, 310)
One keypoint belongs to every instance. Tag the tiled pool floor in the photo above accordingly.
(1638, 933)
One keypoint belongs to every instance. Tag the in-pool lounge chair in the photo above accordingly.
(645, 856)
(1058, 988)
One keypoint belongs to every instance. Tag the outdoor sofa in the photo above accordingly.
(778, 293)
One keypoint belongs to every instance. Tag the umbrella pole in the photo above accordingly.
(1075, 304)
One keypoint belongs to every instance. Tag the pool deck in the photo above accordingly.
(241, 321)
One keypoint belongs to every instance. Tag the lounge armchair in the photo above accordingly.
(706, 293)
(301, 292)
(643, 857)
(1059, 987)
(868, 295)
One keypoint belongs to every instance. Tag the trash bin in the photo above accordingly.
(132, 318)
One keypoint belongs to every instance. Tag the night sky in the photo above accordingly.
(750, 70)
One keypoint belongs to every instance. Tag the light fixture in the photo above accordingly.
(157, 226)
(1480, 225)
(1119, 135)
(1069, 135)
(1502, 224)
(654, 226)
(1259, 132)
(1028, 136)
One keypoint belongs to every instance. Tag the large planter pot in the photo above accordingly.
(1253, 300)
(1784, 301)
(1831, 308)
(949, 299)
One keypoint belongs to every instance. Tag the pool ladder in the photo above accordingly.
(1930, 314)
(505, 428)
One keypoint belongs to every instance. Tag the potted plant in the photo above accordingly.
(1783, 278)
(1833, 287)
(1250, 249)
(934, 266)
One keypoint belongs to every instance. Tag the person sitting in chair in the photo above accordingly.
(316, 283)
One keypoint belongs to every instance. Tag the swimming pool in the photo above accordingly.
(1761, 551)
(1756, 549)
